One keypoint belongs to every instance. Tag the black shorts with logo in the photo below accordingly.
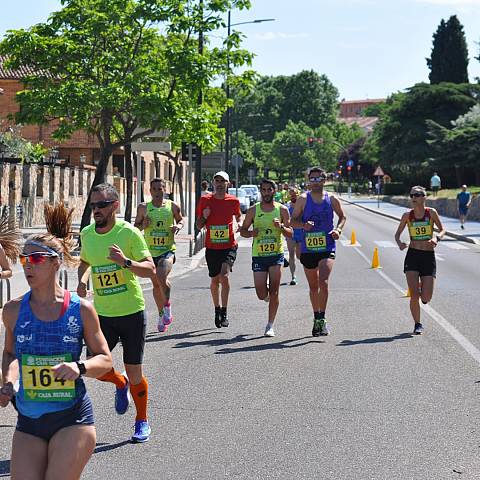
(421, 261)
(164, 256)
(311, 260)
(130, 330)
(215, 259)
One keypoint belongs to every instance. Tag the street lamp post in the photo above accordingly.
(227, 85)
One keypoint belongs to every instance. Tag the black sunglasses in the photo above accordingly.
(101, 204)
(416, 195)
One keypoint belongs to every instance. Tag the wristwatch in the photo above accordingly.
(81, 368)
(127, 264)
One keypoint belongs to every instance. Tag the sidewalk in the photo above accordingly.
(471, 233)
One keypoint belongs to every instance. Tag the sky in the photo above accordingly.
(367, 48)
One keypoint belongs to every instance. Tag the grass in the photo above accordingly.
(452, 192)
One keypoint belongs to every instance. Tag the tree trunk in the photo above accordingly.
(459, 174)
(157, 164)
(129, 181)
(100, 173)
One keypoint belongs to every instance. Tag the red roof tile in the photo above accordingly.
(18, 74)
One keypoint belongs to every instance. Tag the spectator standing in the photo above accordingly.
(464, 199)
(435, 183)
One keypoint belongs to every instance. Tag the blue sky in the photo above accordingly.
(368, 48)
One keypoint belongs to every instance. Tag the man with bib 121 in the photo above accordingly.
(270, 220)
(160, 219)
(116, 253)
(313, 212)
(215, 212)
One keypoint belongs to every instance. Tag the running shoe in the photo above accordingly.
(320, 327)
(218, 318)
(269, 330)
(167, 314)
(224, 319)
(418, 330)
(462, 227)
(142, 431)
(122, 398)
(161, 327)
(293, 281)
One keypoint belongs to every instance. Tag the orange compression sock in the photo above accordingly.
(140, 397)
(114, 377)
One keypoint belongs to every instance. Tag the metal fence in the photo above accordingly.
(198, 242)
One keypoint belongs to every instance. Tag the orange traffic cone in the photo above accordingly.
(353, 238)
(375, 259)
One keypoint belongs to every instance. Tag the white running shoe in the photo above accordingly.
(269, 330)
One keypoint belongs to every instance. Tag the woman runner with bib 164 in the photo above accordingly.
(45, 330)
(420, 266)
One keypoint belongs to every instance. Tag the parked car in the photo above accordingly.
(253, 191)
(242, 196)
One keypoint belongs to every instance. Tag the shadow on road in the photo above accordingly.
(215, 342)
(106, 447)
(4, 468)
(268, 346)
(160, 337)
(349, 343)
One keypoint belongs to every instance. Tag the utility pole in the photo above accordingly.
(198, 164)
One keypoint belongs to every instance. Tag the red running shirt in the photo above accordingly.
(220, 222)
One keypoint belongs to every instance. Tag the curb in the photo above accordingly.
(394, 217)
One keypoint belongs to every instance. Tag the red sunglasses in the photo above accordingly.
(35, 258)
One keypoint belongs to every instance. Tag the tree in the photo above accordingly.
(449, 60)
(103, 66)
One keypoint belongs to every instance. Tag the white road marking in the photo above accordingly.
(385, 244)
(473, 351)
(347, 243)
(455, 246)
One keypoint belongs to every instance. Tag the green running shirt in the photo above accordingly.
(268, 242)
(158, 234)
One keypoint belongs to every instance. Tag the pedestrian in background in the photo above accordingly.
(204, 188)
(464, 199)
(435, 183)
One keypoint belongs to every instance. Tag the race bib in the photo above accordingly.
(39, 382)
(219, 234)
(316, 241)
(158, 239)
(420, 230)
(108, 280)
(267, 246)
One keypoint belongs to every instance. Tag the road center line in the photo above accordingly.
(442, 321)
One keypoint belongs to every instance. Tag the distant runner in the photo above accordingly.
(294, 243)
(420, 265)
(270, 220)
(313, 212)
(161, 220)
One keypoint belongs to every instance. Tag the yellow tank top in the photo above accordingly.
(158, 234)
(268, 242)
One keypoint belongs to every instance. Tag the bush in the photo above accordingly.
(394, 188)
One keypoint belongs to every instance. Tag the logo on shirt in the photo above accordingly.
(68, 339)
(24, 338)
(72, 325)
(25, 324)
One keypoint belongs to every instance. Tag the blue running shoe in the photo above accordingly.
(142, 431)
(122, 398)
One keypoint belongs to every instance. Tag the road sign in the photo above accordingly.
(237, 159)
(350, 163)
(378, 172)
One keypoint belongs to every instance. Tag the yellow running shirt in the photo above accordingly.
(117, 291)
(158, 234)
(268, 242)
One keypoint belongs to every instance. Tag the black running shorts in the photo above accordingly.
(421, 261)
(311, 260)
(215, 259)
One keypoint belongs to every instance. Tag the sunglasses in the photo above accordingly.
(101, 204)
(416, 195)
(35, 258)
(317, 179)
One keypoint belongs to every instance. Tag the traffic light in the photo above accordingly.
(310, 141)
(349, 169)
(195, 151)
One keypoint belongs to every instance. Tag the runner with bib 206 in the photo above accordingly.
(270, 220)
(116, 253)
(420, 266)
(44, 334)
(216, 212)
(313, 212)
(161, 220)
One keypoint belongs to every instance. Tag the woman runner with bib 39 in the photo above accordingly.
(45, 329)
(420, 265)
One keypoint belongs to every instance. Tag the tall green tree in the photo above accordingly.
(111, 66)
(449, 58)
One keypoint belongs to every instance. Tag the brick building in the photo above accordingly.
(351, 112)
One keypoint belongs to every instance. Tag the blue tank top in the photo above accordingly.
(35, 341)
(318, 240)
(297, 232)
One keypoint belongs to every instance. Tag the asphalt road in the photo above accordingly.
(368, 402)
